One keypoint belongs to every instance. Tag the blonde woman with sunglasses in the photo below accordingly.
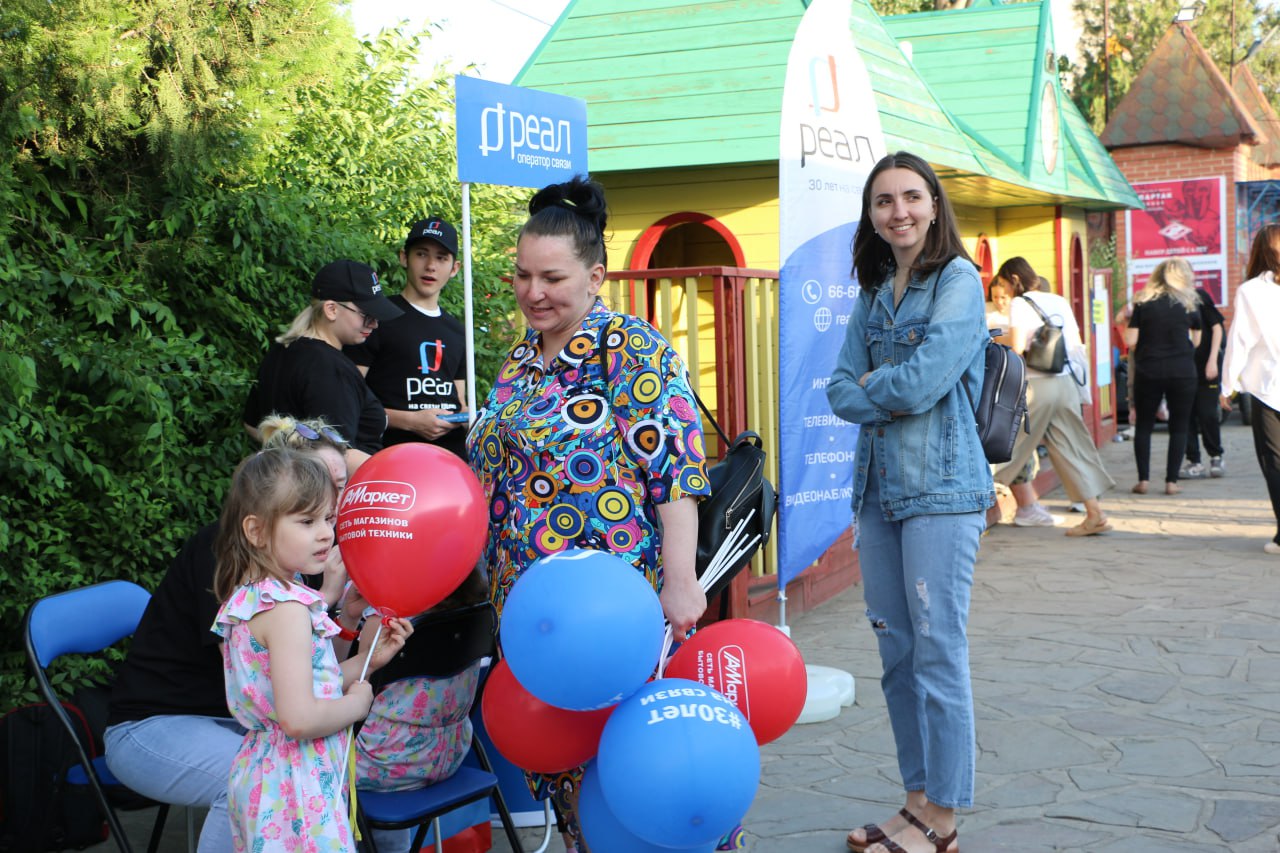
(305, 374)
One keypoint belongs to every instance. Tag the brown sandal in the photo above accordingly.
(940, 845)
(875, 835)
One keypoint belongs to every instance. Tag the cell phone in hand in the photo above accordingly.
(456, 417)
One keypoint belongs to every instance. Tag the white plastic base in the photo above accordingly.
(830, 690)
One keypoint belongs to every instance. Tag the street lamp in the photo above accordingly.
(1188, 10)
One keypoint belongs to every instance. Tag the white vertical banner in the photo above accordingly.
(829, 140)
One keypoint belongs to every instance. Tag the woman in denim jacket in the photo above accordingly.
(921, 487)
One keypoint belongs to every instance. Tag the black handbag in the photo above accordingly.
(1047, 349)
(1001, 409)
(738, 485)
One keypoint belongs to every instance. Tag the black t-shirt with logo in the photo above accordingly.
(413, 363)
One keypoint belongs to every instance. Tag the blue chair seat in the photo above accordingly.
(400, 809)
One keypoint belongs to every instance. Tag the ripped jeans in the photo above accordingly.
(917, 575)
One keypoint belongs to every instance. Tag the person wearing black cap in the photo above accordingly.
(305, 374)
(416, 365)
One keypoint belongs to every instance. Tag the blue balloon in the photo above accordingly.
(678, 764)
(600, 827)
(582, 630)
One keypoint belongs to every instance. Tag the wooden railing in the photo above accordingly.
(724, 323)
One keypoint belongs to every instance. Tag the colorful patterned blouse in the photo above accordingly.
(570, 459)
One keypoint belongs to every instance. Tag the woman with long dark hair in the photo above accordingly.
(916, 339)
(1252, 362)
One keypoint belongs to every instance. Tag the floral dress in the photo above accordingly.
(417, 732)
(580, 454)
(284, 794)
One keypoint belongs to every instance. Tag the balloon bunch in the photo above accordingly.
(676, 759)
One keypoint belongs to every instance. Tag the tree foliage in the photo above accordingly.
(173, 173)
(1134, 28)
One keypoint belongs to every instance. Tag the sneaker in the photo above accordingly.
(1034, 516)
(734, 839)
(1192, 470)
(1077, 507)
(1216, 468)
(1271, 548)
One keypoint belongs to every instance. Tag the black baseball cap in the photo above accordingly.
(352, 281)
(436, 229)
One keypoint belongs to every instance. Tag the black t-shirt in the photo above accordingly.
(174, 664)
(413, 363)
(310, 379)
(1164, 348)
(1210, 316)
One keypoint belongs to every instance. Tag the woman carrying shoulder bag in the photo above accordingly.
(1053, 401)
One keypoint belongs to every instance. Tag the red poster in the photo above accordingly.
(1182, 219)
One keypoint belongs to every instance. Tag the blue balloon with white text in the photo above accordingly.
(678, 763)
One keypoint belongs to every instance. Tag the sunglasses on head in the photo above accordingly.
(310, 434)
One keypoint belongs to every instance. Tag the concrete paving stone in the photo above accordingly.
(1163, 843)
(1239, 820)
(1200, 714)
(1148, 689)
(1205, 665)
(1040, 704)
(1028, 790)
(1245, 759)
(804, 771)
(1165, 758)
(1062, 678)
(1041, 836)
(1150, 808)
(1267, 703)
(1253, 631)
(1269, 731)
(1021, 746)
(1111, 724)
(1040, 651)
(1264, 670)
(1228, 647)
(1093, 779)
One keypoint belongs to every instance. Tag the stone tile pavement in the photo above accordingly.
(1127, 687)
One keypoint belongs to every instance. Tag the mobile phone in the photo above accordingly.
(456, 417)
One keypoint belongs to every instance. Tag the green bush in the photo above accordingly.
(173, 174)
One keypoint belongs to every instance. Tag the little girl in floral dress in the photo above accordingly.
(284, 683)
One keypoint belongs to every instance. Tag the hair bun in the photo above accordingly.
(582, 196)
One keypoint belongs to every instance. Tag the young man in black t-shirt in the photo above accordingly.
(416, 364)
(1205, 416)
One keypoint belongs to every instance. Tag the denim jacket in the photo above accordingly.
(912, 410)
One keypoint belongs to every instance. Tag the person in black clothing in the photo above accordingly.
(1163, 332)
(305, 374)
(416, 364)
(1205, 413)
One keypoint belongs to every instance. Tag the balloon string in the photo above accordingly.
(376, 634)
(668, 639)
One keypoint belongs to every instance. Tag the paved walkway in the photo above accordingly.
(1127, 687)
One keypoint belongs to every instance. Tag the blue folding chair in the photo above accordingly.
(84, 621)
(441, 645)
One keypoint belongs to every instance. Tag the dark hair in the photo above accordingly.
(573, 209)
(994, 283)
(270, 484)
(1021, 277)
(872, 257)
(1264, 255)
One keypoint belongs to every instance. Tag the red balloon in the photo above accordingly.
(532, 734)
(411, 526)
(755, 665)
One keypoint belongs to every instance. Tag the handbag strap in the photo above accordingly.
(1043, 316)
(604, 373)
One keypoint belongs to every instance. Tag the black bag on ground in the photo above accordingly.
(1001, 408)
(1047, 349)
(39, 809)
(738, 485)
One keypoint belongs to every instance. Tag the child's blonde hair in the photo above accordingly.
(269, 485)
(287, 431)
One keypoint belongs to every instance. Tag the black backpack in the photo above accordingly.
(39, 809)
(1001, 408)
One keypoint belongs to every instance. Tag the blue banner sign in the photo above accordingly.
(829, 139)
(518, 137)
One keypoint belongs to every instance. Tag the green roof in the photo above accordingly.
(675, 84)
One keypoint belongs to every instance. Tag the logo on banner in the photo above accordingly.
(518, 137)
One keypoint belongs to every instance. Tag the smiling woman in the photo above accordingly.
(305, 374)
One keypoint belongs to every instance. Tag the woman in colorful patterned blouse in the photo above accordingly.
(590, 437)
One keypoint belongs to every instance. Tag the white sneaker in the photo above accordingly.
(1216, 468)
(1192, 471)
(1077, 507)
(1271, 548)
(1035, 516)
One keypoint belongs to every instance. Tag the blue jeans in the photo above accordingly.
(180, 759)
(917, 575)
